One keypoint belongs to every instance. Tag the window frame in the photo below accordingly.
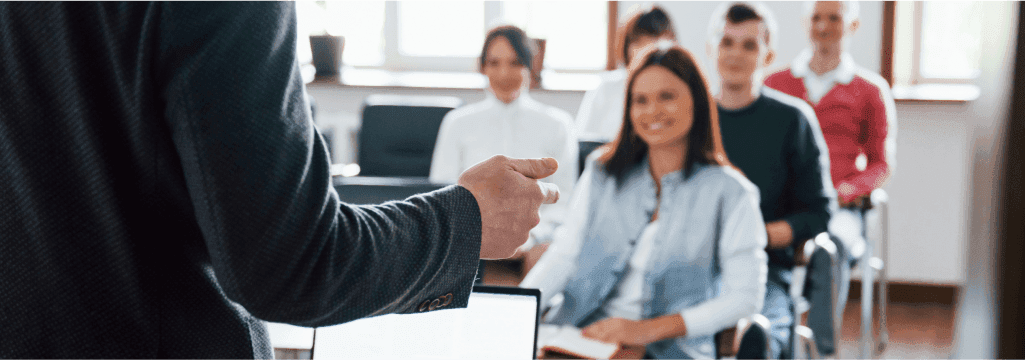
(916, 59)
(889, 42)
(915, 90)
(394, 60)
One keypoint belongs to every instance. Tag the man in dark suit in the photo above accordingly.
(162, 187)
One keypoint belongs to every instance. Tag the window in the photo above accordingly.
(935, 50)
(937, 42)
(949, 46)
(447, 35)
(573, 42)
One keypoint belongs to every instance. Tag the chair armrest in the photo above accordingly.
(870, 201)
(807, 247)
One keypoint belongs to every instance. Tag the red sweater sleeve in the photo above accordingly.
(874, 129)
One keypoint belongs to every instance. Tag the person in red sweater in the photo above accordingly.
(853, 105)
(855, 112)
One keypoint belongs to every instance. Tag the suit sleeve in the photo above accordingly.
(280, 242)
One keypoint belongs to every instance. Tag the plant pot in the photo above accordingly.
(327, 53)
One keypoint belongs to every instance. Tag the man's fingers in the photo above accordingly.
(550, 192)
(535, 168)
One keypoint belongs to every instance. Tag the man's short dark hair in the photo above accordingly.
(521, 44)
(740, 12)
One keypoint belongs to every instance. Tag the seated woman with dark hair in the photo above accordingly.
(663, 242)
(508, 122)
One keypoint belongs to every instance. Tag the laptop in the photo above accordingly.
(498, 323)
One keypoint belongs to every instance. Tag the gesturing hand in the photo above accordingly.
(509, 196)
(618, 331)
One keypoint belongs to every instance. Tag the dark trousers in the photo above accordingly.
(818, 290)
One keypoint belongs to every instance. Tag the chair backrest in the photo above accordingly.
(361, 190)
(398, 133)
(586, 147)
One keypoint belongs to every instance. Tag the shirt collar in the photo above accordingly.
(642, 172)
(524, 98)
(844, 72)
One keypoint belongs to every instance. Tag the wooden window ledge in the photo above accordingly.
(943, 93)
(379, 78)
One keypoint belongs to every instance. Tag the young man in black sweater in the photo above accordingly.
(775, 141)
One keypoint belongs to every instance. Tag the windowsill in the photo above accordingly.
(941, 93)
(377, 78)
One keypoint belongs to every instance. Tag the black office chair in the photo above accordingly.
(360, 190)
(398, 133)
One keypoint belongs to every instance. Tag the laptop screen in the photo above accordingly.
(498, 323)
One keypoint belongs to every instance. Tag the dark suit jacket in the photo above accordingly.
(162, 185)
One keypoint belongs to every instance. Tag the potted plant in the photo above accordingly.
(326, 49)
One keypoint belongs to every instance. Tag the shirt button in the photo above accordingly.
(424, 306)
(434, 304)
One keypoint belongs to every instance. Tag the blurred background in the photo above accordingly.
(950, 65)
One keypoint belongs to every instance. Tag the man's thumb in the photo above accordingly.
(535, 168)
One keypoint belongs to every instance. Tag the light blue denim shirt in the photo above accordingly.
(709, 265)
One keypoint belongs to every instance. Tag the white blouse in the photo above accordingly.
(524, 128)
(628, 299)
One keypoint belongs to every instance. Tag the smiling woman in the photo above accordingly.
(662, 109)
(681, 99)
(639, 271)
(506, 60)
(508, 122)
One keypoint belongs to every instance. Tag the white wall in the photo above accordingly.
(930, 188)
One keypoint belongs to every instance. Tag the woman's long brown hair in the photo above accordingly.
(704, 143)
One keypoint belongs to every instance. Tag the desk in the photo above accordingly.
(629, 352)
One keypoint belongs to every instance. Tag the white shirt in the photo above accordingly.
(628, 300)
(524, 128)
(743, 261)
(819, 85)
(601, 110)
